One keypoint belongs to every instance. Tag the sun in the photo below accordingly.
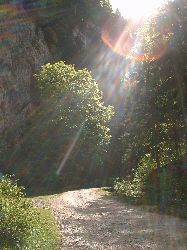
(124, 37)
(137, 9)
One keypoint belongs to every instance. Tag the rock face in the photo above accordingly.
(25, 45)
(31, 35)
(22, 51)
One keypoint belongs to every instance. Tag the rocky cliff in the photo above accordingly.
(33, 33)
(23, 50)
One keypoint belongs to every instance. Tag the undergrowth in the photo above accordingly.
(21, 225)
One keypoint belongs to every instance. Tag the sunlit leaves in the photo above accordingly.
(22, 226)
(153, 39)
(154, 121)
(78, 106)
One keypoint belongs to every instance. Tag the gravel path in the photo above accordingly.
(88, 219)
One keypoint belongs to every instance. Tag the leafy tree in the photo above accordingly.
(78, 106)
(154, 131)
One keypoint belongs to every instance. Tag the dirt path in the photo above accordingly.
(88, 219)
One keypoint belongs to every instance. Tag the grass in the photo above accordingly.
(46, 233)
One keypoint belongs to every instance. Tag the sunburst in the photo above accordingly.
(136, 9)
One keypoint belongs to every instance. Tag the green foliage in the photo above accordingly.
(16, 218)
(45, 234)
(72, 121)
(92, 10)
(76, 95)
(133, 187)
(163, 188)
(77, 103)
(21, 226)
(154, 122)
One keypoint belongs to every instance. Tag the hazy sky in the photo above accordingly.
(136, 8)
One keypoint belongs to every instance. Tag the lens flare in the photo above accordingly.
(119, 36)
(129, 38)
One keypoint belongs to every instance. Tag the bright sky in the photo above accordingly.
(136, 8)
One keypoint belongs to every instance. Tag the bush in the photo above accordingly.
(134, 187)
(21, 226)
(165, 187)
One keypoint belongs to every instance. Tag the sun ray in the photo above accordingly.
(123, 35)
(69, 151)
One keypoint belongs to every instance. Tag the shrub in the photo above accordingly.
(21, 226)
(164, 187)
(134, 187)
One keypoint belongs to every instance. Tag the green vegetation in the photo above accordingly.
(73, 139)
(77, 101)
(79, 109)
(71, 123)
(22, 226)
(153, 131)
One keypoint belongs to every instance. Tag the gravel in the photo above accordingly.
(89, 219)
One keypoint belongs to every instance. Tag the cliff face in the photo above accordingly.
(26, 43)
(31, 35)
(22, 51)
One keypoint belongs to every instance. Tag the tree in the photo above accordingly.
(154, 132)
(77, 105)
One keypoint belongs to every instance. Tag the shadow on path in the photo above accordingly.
(88, 219)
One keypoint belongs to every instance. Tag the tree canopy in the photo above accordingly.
(78, 110)
(153, 131)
